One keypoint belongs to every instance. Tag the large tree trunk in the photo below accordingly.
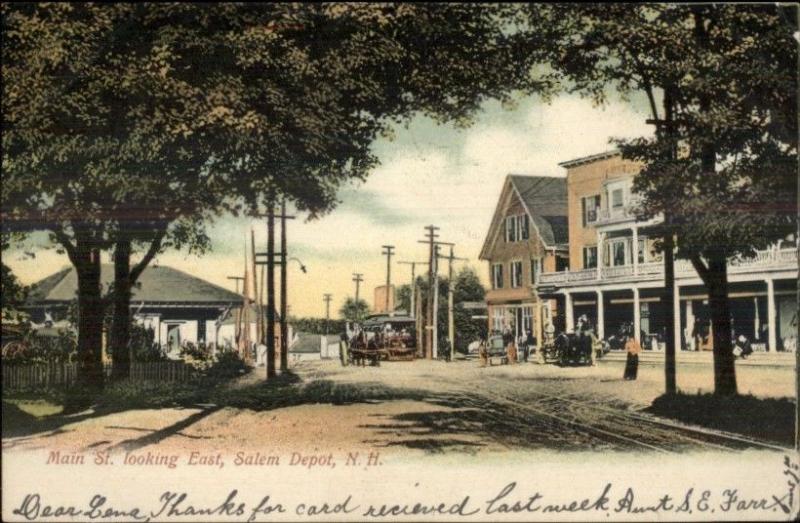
(715, 277)
(90, 316)
(120, 323)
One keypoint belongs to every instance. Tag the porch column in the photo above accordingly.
(538, 319)
(635, 250)
(600, 239)
(772, 339)
(690, 325)
(676, 310)
(570, 321)
(756, 320)
(601, 316)
(637, 316)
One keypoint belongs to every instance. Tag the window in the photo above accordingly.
(591, 206)
(517, 228)
(516, 274)
(522, 225)
(590, 257)
(497, 276)
(511, 229)
(617, 199)
(618, 253)
(498, 315)
(562, 263)
(536, 270)
(640, 249)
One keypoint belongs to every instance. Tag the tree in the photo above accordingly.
(353, 310)
(726, 79)
(121, 121)
(467, 288)
(14, 293)
(404, 298)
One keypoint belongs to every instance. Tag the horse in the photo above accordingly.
(573, 348)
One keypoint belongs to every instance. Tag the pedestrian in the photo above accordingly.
(508, 342)
(633, 349)
(483, 352)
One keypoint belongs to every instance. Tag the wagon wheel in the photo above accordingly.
(13, 349)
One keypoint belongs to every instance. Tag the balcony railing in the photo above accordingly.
(609, 216)
(768, 259)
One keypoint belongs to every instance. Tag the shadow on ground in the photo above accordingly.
(769, 420)
(458, 422)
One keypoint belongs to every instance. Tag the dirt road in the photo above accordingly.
(416, 407)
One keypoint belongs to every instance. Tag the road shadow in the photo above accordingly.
(770, 420)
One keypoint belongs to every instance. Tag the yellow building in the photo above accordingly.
(615, 276)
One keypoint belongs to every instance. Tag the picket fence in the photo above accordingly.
(60, 374)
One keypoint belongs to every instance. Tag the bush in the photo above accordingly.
(41, 348)
(227, 365)
(143, 345)
(197, 352)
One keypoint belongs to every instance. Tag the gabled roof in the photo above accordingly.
(544, 199)
(157, 284)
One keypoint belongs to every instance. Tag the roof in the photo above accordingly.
(545, 198)
(588, 159)
(545, 201)
(230, 317)
(157, 284)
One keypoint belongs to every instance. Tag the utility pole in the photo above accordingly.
(435, 323)
(432, 343)
(270, 364)
(431, 238)
(451, 329)
(327, 298)
(665, 129)
(270, 263)
(412, 306)
(256, 289)
(388, 250)
(357, 277)
(284, 297)
(237, 279)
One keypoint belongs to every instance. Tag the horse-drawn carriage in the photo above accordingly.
(575, 348)
(382, 338)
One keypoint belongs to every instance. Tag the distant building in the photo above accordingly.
(178, 307)
(379, 305)
(527, 237)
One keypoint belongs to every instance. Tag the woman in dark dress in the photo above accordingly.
(633, 349)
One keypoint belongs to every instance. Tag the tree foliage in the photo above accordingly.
(128, 125)
(721, 81)
(353, 310)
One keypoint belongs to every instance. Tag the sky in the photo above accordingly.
(429, 174)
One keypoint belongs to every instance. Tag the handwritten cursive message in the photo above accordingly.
(512, 498)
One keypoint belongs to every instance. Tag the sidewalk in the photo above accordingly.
(769, 359)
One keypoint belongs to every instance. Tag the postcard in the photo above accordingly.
(399, 262)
